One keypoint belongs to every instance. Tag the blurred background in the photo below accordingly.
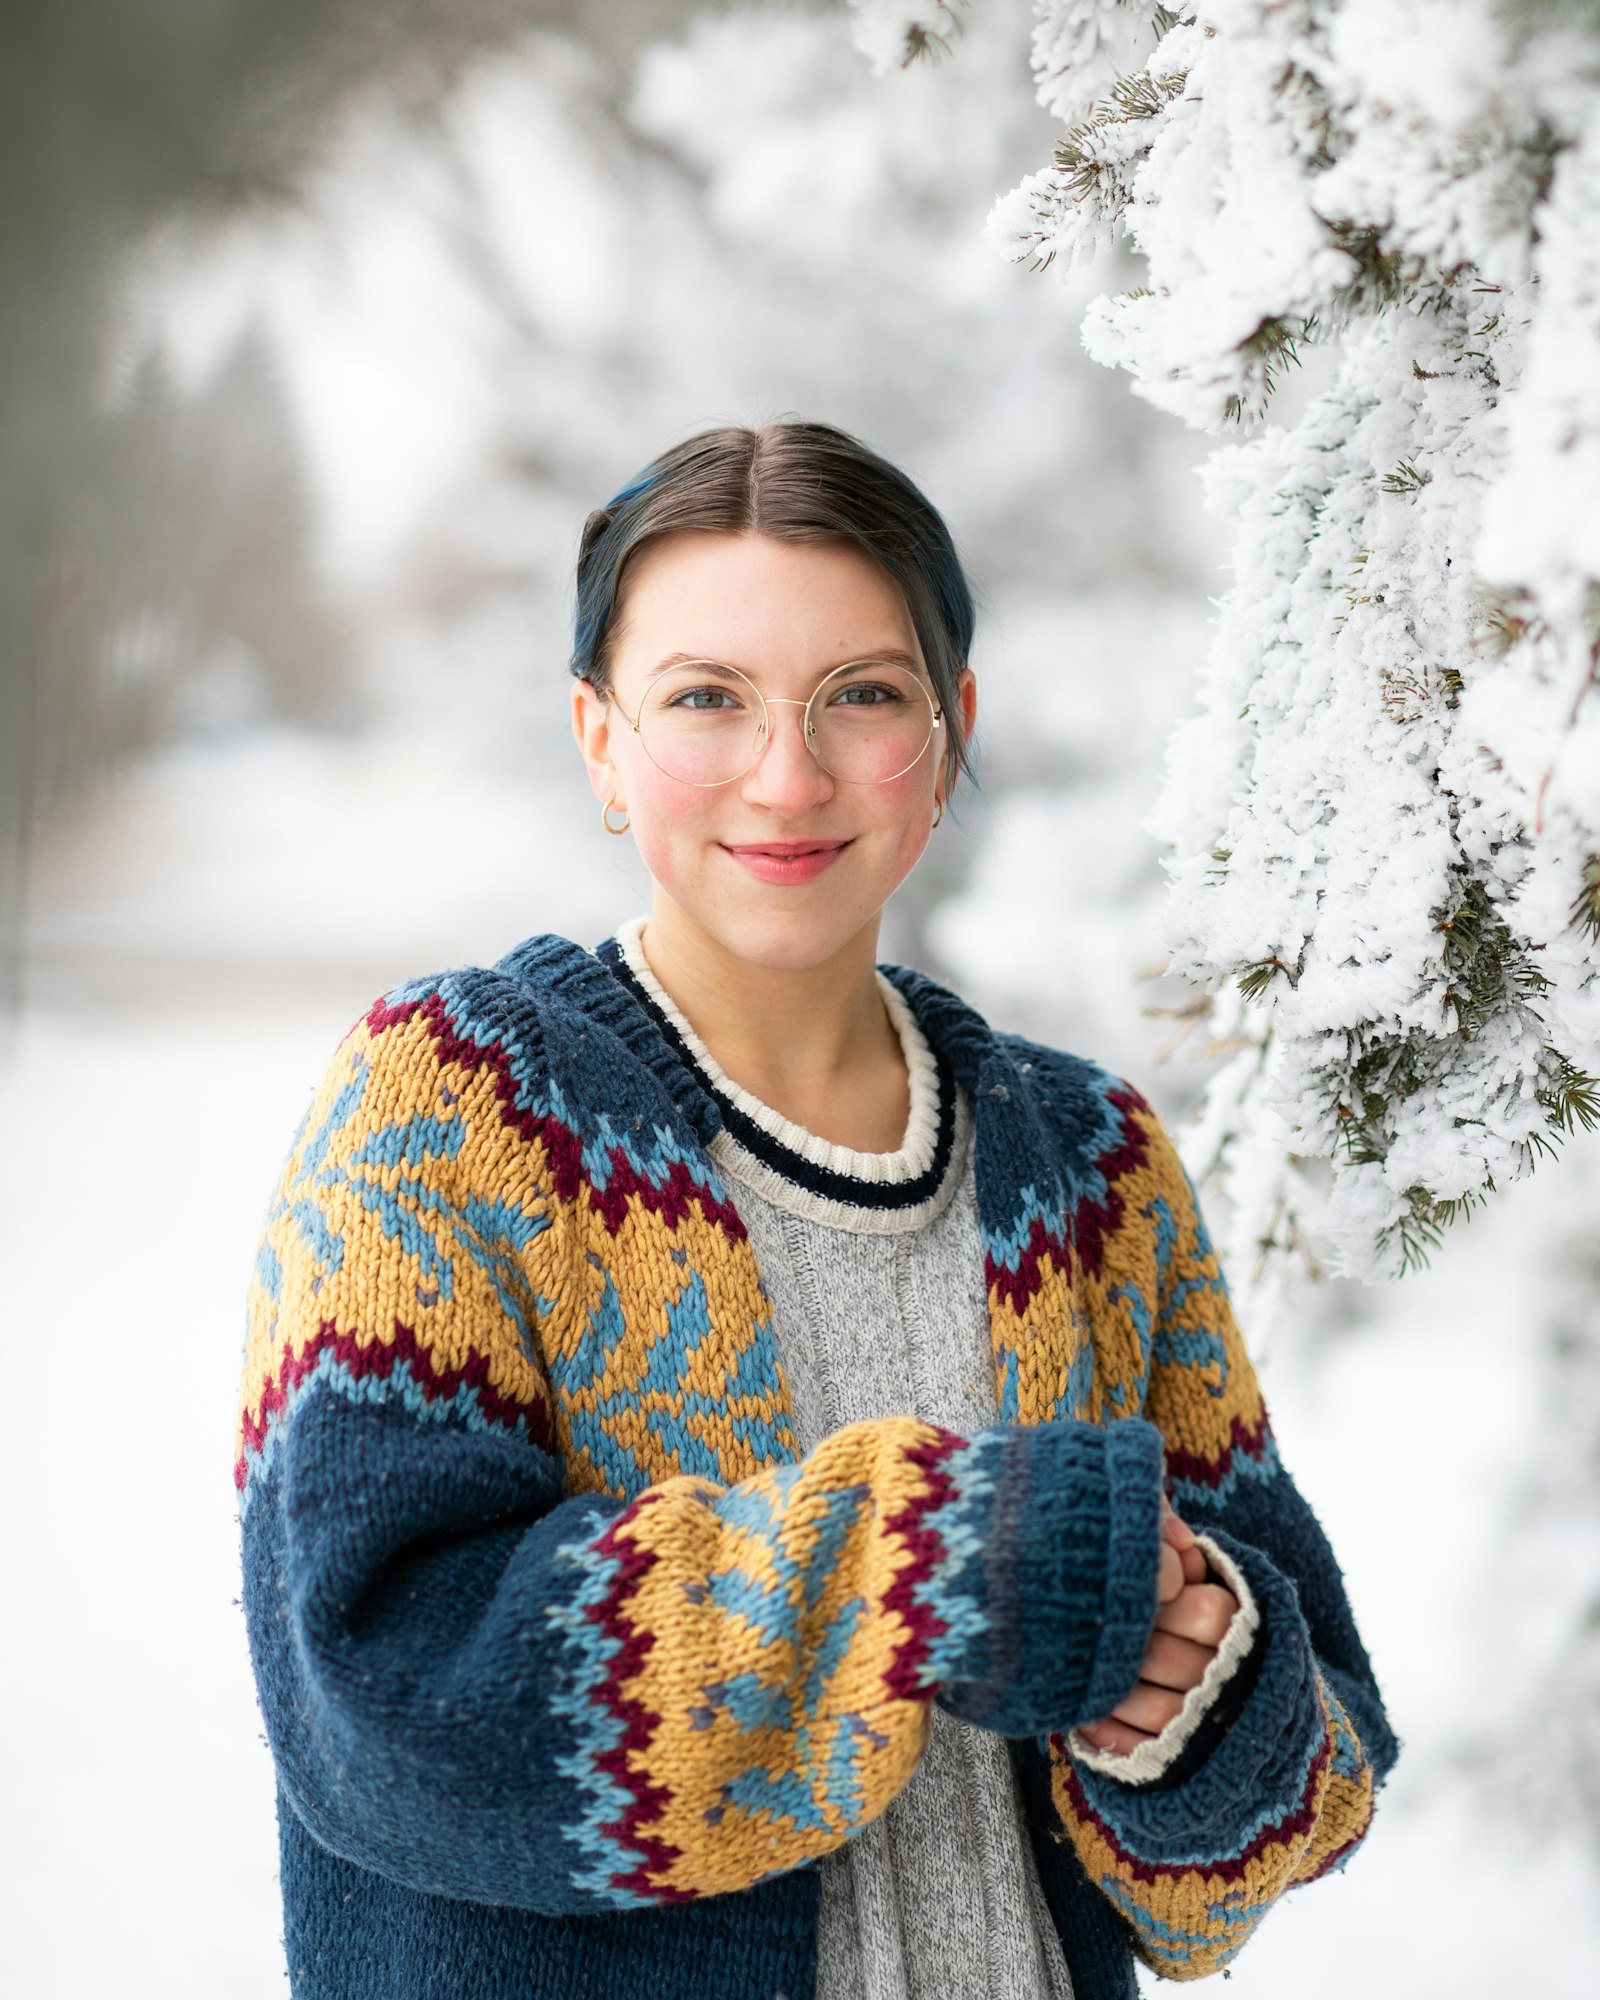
(324, 327)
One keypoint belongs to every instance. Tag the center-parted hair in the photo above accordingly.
(797, 482)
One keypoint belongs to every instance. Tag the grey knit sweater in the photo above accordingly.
(875, 1267)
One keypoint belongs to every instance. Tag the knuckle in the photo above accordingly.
(1217, 1620)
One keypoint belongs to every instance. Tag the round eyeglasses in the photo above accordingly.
(705, 723)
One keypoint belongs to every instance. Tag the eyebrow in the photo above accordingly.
(888, 656)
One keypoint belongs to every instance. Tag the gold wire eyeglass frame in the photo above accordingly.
(765, 702)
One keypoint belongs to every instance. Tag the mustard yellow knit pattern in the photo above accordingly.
(453, 1234)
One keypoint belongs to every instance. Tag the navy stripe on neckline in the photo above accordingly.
(781, 1159)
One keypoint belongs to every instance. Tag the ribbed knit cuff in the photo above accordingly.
(1067, 1579)
(1147, 1761)
(1264, 1753)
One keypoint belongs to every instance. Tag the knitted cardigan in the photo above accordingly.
(572, 1667)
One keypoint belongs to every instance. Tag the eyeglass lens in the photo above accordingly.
(867, 722)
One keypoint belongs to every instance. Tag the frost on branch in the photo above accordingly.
(1383, 822)
(892, 33)
(1347, 846)
(1081, 48)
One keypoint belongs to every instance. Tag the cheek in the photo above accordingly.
(670, 822)
(903, 811)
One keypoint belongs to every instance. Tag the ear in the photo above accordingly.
(959, 727)
(592, 716)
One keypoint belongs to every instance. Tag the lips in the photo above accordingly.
(786, 861)
(786, 850)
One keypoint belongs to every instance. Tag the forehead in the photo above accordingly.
(781, 608)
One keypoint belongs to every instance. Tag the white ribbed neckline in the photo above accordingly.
(911, 1159)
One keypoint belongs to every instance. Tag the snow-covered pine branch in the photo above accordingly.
(1080, 52)
(892, 33)
(1383, 823)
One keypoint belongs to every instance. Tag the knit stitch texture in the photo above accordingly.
(880, 1309)
(573, 1666)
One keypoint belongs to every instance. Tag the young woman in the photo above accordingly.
(751, 1484)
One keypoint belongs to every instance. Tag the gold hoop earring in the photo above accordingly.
(939, 811)
(605, 818)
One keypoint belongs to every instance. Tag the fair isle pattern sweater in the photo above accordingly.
(781, 1167)
(573, 1666)
(879, 1311)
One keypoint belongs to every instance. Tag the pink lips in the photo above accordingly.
(788, 860)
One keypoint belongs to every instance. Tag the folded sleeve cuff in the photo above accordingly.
(1063, 1573)
(1141, 1766)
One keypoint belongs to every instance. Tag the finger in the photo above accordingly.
(1200, 1611)
(1175, 1663)
(1148, 1708)
(1118, 1737)
(1177, 1534)
(1169, 1577)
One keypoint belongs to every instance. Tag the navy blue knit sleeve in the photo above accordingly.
(1276, 1786)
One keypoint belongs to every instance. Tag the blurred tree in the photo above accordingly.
(737, 224)
(137, 534)
(188, 598)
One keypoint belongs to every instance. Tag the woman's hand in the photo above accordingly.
(1190, 1622)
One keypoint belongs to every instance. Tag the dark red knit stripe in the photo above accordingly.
(671, 1199)
(378, 1360)
(1296, 1825)
(1244, 1440)
(915, 1530)
(634, 1644)
(1093, 1223)
(1017, 1286)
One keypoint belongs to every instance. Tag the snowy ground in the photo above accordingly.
(196, 966)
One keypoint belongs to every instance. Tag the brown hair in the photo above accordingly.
(797, 482)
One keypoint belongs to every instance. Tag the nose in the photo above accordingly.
(786, 777)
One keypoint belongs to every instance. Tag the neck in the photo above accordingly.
(791, 1035)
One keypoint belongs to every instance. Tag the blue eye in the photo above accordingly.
(704, 700)
(867, 694)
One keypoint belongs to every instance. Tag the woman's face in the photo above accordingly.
(784, 866)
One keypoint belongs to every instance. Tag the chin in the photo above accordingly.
(779, 928)
(780, 940)
(776, 930)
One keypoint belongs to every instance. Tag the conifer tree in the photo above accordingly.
(1382, 824)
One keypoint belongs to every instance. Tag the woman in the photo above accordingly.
(711, 1404)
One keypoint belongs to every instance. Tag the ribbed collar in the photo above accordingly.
(870, 1193)
(557, 965)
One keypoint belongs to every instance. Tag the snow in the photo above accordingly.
(748, 221)
(208, 856)
(890, 33)
(1081, 47)
(1396, 735)
(138, 1845)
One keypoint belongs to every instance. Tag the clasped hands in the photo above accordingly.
(1191, 1618)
